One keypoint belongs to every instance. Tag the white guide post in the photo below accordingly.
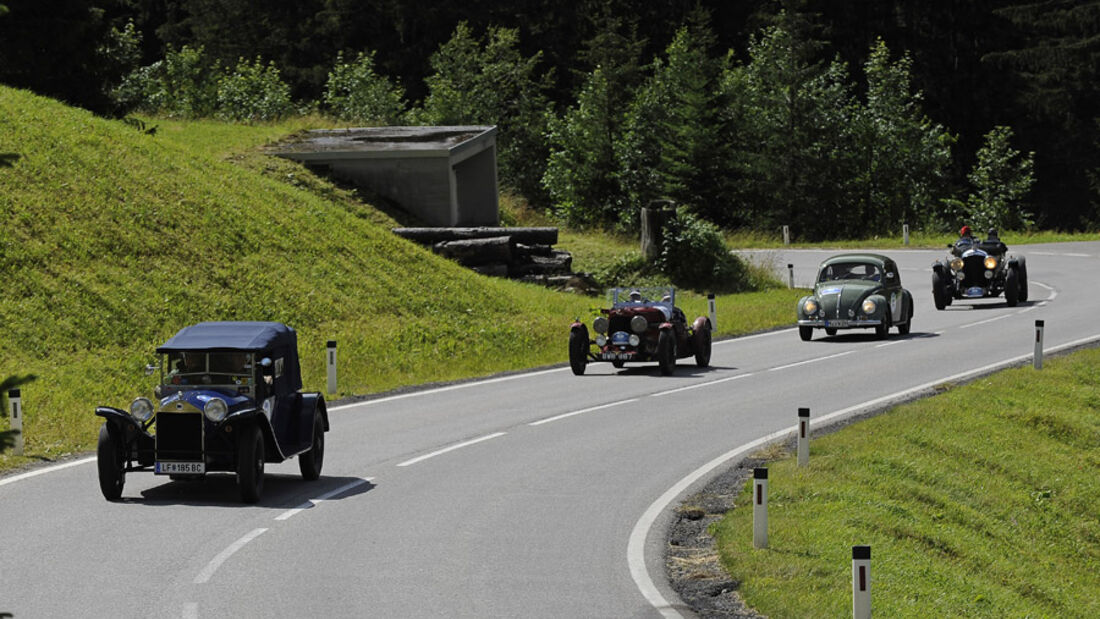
(786, 235)
(803, 436)
(1038, 344)
(790, 275)
(905, 233)
(861, 582)
(331, 363)
(15, 403)
(760, 508)
(712, 309)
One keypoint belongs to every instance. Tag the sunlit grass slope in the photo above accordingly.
(112, 239)
(979, 502)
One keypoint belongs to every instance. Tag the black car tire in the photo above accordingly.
(939, 291)
(903, 328)
(578, 349)
(112, 477)
(702, 347)
(310, 462)
(666, 351)
(1022, 269)
(806, 333)
(250, 464)
(1012, 287)
(830, 331)
(882, 330)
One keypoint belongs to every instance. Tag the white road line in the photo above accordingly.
(217, 561)
(893, 343)
(698, 385)
(736, 340)
(982, 322)
(487, 381)
(791, 365)
(451, 448)
(1079, 255)
(581, 412)
(49, 469)
(324, 497)
(635, 548)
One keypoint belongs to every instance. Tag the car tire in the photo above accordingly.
(883, 330)
(830, 331)
(1022, 269)
(250, 464)
(578, 349)
(310, 462)
(112, 477)
(666, 351)
(702, 347)
(806, 333)
(903, 328)
(939, 291)
(1012, 287)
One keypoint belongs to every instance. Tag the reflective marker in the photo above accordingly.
(861, 582)
(331, 363)
(15, 404)
(803, 436)
(760, 508)
(1038, 344)
(712, 308)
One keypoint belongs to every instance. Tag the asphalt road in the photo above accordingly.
(533, 495)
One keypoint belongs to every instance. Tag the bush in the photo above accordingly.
(694, 255)
(356, 93)
(253, 92)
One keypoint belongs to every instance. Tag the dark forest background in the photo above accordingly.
(975, 64)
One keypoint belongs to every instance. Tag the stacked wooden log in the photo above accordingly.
(519, 253)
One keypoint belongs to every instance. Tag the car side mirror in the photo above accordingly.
(265, 366)
(150, 368)
(891, 275)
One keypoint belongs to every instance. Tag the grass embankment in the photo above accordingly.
(112, 239)
(979, 502)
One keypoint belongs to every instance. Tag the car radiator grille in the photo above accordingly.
(618, 323)
(179, 436)
(974, 270)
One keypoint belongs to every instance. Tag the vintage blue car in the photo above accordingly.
(229, 399)
(856, 291)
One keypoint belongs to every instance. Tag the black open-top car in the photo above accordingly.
(229, 399)
(642, 325)
(976, 269)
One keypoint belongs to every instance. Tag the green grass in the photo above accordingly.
(979, 502)
(112, 239)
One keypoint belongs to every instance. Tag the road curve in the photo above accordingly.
(539, 494)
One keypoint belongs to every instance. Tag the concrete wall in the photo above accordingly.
(421, 186)
(475, 182)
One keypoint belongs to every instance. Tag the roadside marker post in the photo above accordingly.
(331, 366)
(786, 235)
(15, 404)
(790, 275)
(905, 234)
(803, 436)
(760, 508)
(712, 309)
(1038, 344)
(861, 582)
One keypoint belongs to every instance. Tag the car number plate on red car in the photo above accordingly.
(180, 468)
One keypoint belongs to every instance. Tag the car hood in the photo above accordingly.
(195, 400)
(836, 297)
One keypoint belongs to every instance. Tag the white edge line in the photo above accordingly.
(698, 385)
(581, 412)
(49, 469)
(791, 365)
(487, 381)
(216, 562)
(324, 497)
(988, 320)
(451, 448)
(635, 548)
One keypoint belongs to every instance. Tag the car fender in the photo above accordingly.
(1017, 261)
(665, 326)
(313, 403)
(909, 302)
(801, 304)
(882, 304)
(701, 323)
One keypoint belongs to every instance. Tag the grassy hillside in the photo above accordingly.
(979, 502)
(112, 239)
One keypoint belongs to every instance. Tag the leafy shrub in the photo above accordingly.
(183, 85)
(694, 255)
(355, 92)
(253, 91)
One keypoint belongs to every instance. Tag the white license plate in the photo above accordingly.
(180, 468)
(836, 323)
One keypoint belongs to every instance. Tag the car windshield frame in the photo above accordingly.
(203, 369)
(832, 272)
(651, 296)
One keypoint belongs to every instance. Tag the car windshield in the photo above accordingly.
(208, 369)
(851, 270)
(643, 295)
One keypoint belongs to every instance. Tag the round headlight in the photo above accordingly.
(639, 324)
(957, 264)
(809, 307)
(601, 340)
(869, 307)
(635, 340)
(215, 409)
(141, 409)
(990, 262)
(599, 325)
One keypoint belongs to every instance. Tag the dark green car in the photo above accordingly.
(856, 291)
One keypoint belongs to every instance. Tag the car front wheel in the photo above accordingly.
(939, 291)
(1012, 287)
(311, 461)
(806, 333)
(578, 350)
(109, 459)
(883, 329)
(250, 464)
(702, 347)
(666, 352)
